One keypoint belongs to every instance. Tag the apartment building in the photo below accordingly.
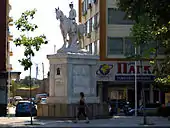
(108, 35)
(5, 38)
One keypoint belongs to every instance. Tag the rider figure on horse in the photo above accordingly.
(72, 15)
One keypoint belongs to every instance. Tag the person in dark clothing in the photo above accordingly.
(82, 108)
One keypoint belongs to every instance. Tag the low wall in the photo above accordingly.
(70, 110)
(25, 93)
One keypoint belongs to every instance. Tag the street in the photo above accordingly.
(116, 121)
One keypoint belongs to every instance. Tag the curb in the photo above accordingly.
(68, 118)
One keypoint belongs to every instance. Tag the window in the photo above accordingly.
(90, 25)
(58, 71)
(95, 48)
(146, 48)
(95, 22)
(86, 47)
(116, 16)
(90, 48)
(129, 47)
(90, 1)
(87, 4)
(161, 48)
(114, 46)
(96, 18)
(98, 47)
(86, 28)
(84, 6)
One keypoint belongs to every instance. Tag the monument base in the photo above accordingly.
(75, 100)
(69, 111)
(70, 74)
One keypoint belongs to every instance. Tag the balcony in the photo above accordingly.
(10, 53)
(10, 37)
(9, 67)
(10, 19)
(10, 24)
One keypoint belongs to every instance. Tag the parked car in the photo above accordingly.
(23, 108)
(150, 109)
(39, 97)
(43, 100)
(17, 99)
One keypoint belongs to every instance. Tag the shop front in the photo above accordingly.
(116, 80)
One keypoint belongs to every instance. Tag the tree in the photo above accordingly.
(152, 23)
(13, 88)
(26, 81)
(31, 44)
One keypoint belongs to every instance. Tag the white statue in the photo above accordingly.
(69, 27)
(72, 13)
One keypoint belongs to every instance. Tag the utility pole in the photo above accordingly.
(136, 99)
(43, 69)
(31, 95)
(54, 49)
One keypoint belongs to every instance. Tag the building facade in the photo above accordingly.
(5, 38)
(108, 35)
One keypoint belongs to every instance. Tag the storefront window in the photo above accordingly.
(156, 96)
(119, 94)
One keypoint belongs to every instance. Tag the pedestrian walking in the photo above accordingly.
(82, 108)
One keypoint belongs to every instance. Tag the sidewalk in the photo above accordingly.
(117, 121)
(17, 121)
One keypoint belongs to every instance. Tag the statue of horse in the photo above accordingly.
(68, 27)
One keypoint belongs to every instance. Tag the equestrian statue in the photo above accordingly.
(69, 28)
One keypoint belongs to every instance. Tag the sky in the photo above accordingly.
(47, 24)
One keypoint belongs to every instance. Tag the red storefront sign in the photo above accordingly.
(129, 68)
(126, 72)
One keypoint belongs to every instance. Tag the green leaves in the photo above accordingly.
(26, 63)
(23, 23)
(31, 44)
(152, 23)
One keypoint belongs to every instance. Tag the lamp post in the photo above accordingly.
(9, 82)
(30, 95)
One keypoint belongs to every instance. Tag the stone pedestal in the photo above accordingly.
(71, 74)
